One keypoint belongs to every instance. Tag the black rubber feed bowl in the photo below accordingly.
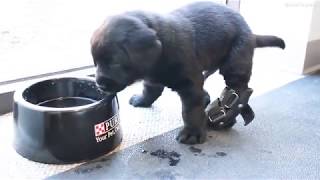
(65, 120)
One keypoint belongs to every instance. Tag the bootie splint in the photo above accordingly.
(223, 111)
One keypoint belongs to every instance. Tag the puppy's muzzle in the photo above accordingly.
(109, 86)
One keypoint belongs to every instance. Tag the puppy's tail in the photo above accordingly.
(269, 41)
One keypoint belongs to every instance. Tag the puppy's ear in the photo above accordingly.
(143, 47)
(143, 39)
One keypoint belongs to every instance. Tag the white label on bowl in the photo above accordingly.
(107, 128)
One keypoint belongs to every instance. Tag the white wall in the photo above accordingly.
(288, 19)
(312, 57)
(315, 23)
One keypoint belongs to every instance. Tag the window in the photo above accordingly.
(41, 38)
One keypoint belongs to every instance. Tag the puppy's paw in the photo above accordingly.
(187, 136)
(139, 101)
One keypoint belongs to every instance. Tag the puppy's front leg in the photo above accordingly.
(193, 114)
(150, 93)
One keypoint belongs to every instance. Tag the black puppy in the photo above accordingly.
(178, 51)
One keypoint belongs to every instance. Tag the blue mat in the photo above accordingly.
(283, 142)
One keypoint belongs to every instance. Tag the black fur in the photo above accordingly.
(178, 51)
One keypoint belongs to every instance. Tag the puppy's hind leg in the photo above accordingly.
(234, 99)
(237, 68)
(150, 93)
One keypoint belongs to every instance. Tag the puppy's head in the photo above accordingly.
(124, 49)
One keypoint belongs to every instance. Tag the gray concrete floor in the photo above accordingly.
(281, 143)
(272, 67)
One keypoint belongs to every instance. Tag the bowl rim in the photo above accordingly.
(18, 98)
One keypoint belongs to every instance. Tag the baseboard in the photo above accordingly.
(312, 70)
(312, 59)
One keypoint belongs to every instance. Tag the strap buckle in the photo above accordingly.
(223, 111)
(218, 116)
(233, 102)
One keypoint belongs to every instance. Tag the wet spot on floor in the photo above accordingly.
(218, 155)
(98, 166)
(88, 169)
(221, 154)
(195, 150)
(173, 156)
